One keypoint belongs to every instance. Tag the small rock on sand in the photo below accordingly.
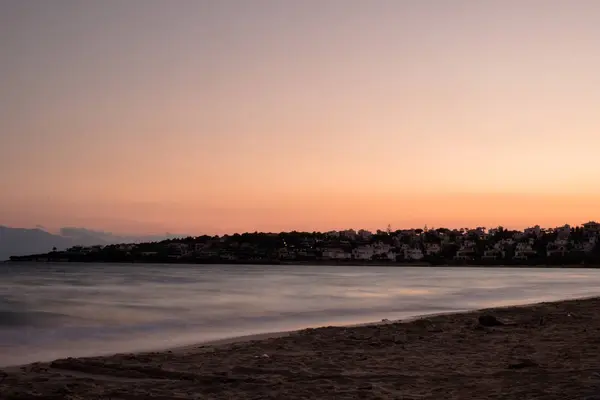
(523, 364)
(489, 320)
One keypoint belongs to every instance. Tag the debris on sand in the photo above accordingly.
(489, 320)
(523, 364)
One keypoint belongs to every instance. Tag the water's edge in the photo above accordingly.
(271, 335)
(55, 311)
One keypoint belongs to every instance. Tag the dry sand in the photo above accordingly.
(545, 351)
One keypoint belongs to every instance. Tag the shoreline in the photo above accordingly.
(277, 334)
(246, 338)
(544, 350)
(316, 263)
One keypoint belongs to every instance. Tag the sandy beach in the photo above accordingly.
(542, 351)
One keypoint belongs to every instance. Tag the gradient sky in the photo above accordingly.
(219, 115)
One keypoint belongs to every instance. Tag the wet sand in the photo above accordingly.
(543, 351)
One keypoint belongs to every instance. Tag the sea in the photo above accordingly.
(50, 311)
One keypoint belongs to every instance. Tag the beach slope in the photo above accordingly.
(543, 351)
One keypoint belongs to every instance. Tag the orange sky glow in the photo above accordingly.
(219, 117)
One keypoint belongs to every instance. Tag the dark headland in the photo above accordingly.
(536, 246)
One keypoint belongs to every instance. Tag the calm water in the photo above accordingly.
(52, 311)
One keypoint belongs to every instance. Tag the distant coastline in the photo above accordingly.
(499, 247)
(332, 263)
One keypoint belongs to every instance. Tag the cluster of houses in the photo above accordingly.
(465, 244)
(350, 245)
(377, 251)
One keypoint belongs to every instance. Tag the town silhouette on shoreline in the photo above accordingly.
(537, 246)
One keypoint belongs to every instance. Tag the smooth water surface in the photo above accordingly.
(49, 311)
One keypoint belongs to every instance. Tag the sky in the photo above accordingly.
(217, 116)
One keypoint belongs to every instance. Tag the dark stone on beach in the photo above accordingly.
(489, 320)
(523, 364)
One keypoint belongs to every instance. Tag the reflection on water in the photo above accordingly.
(50, 311)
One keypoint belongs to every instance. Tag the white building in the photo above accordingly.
(561, 241)
(363, 253)
(413, 254)
(466, 251)
(177, 249)
(534, 231)
(198, 247)
(493, 254)
(590, 244)
(229, 256)
(381, 248)
(592, 227)
(505, 243)
(432, 249)
(208, 254)
(523, 251)
(518, 236)
(286, 253)
(554, 250)
(336, 254)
